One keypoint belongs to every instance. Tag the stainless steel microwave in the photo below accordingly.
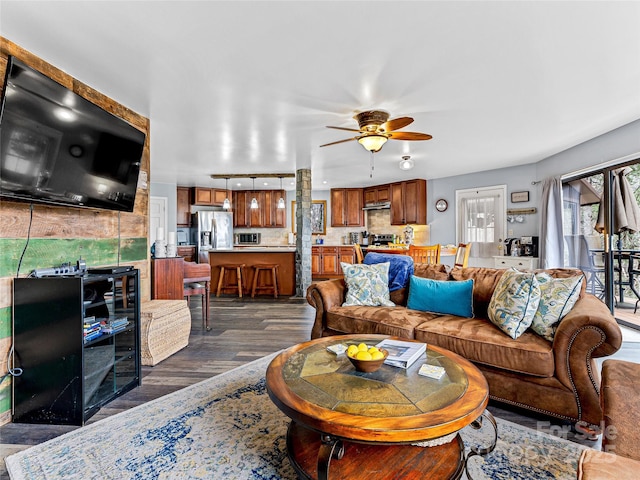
(247, 238)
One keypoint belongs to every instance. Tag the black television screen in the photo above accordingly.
(57, 147)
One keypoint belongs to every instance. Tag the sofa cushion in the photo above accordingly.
(514, 302)
(367, 284)
(476, 339)
(423, 270)
(397, 321)
(437, 296)
(557, 298)
(484, 283)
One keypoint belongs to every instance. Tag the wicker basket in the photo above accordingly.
(165, 328)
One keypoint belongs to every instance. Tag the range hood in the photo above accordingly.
(377, 206)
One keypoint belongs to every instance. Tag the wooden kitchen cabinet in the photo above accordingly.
(209, 196)
(241, 201)
(409, 202)
(272, 215)
(325, 261)
(376, 194)
(346, 207)
(267, 215)
(188, 253)
(183, 210)
(256, 215)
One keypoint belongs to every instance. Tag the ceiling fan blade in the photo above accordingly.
(409, 136)
(396, 123)
(342, 128)
(339, 141)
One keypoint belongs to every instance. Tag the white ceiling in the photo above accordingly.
(248, 87)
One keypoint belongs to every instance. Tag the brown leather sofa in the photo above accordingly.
(620, 458)
(556, 378)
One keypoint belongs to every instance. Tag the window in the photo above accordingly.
(481, 214)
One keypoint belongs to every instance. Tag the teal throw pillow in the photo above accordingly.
(557, 298)
(437, 296)
(514, 302)
(367, 285)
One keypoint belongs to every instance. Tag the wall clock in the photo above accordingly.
(441, 205)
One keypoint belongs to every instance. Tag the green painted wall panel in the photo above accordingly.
(5, 322)
(5, 395)
(50, 252)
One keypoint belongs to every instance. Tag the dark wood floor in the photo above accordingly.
(242, 330)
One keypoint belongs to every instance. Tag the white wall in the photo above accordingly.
(443, 224)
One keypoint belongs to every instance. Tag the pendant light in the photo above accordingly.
(281, 203)
(226, 205)
(254, 200)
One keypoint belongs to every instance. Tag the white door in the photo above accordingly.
(157, 217)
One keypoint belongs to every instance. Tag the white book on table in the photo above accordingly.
(402, 354)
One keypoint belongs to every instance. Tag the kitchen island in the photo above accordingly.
(283, 256)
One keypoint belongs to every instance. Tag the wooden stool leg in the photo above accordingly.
(220, 281)
(274, 275)
(207, 304)
(255, 282)
(239, 280)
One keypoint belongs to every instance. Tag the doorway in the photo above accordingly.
(601, 225)
(157, 217)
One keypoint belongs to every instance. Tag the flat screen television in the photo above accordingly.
(57, 147)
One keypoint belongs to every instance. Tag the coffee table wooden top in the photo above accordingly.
(324, 392)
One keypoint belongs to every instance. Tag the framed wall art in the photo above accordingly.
(318, 217)
(519, 197)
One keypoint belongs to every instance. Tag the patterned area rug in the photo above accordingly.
(228, 428)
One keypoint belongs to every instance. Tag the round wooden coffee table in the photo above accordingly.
(371, 422)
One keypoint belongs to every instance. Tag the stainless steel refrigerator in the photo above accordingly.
(215, 232)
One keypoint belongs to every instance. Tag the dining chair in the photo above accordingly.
(359, 254)
(462, 255)
(634, 271)
(582, 257)
(427, 254)
(196, 281)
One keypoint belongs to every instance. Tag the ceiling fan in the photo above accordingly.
(376, 128)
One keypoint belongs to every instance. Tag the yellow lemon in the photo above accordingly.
(352, 350)
(377, 355)
(363, 355)
(372, 350)
(363, 347)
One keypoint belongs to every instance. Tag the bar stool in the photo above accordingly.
(272, 271)
(223, 281)
(196, 279)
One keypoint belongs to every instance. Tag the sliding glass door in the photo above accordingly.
(601, 221)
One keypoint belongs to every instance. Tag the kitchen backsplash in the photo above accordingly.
(378, 221)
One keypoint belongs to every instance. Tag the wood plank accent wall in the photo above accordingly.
(63, 234)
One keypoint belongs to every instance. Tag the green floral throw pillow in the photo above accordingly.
(514, 302)
(557, 298)
(367, 284)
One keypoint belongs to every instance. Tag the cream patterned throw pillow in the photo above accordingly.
(557, 298)
(514, 302)
(367, 284)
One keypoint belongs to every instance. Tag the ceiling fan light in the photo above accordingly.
(406, 163)
(372, 143)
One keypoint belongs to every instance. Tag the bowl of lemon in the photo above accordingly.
(366, 358)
